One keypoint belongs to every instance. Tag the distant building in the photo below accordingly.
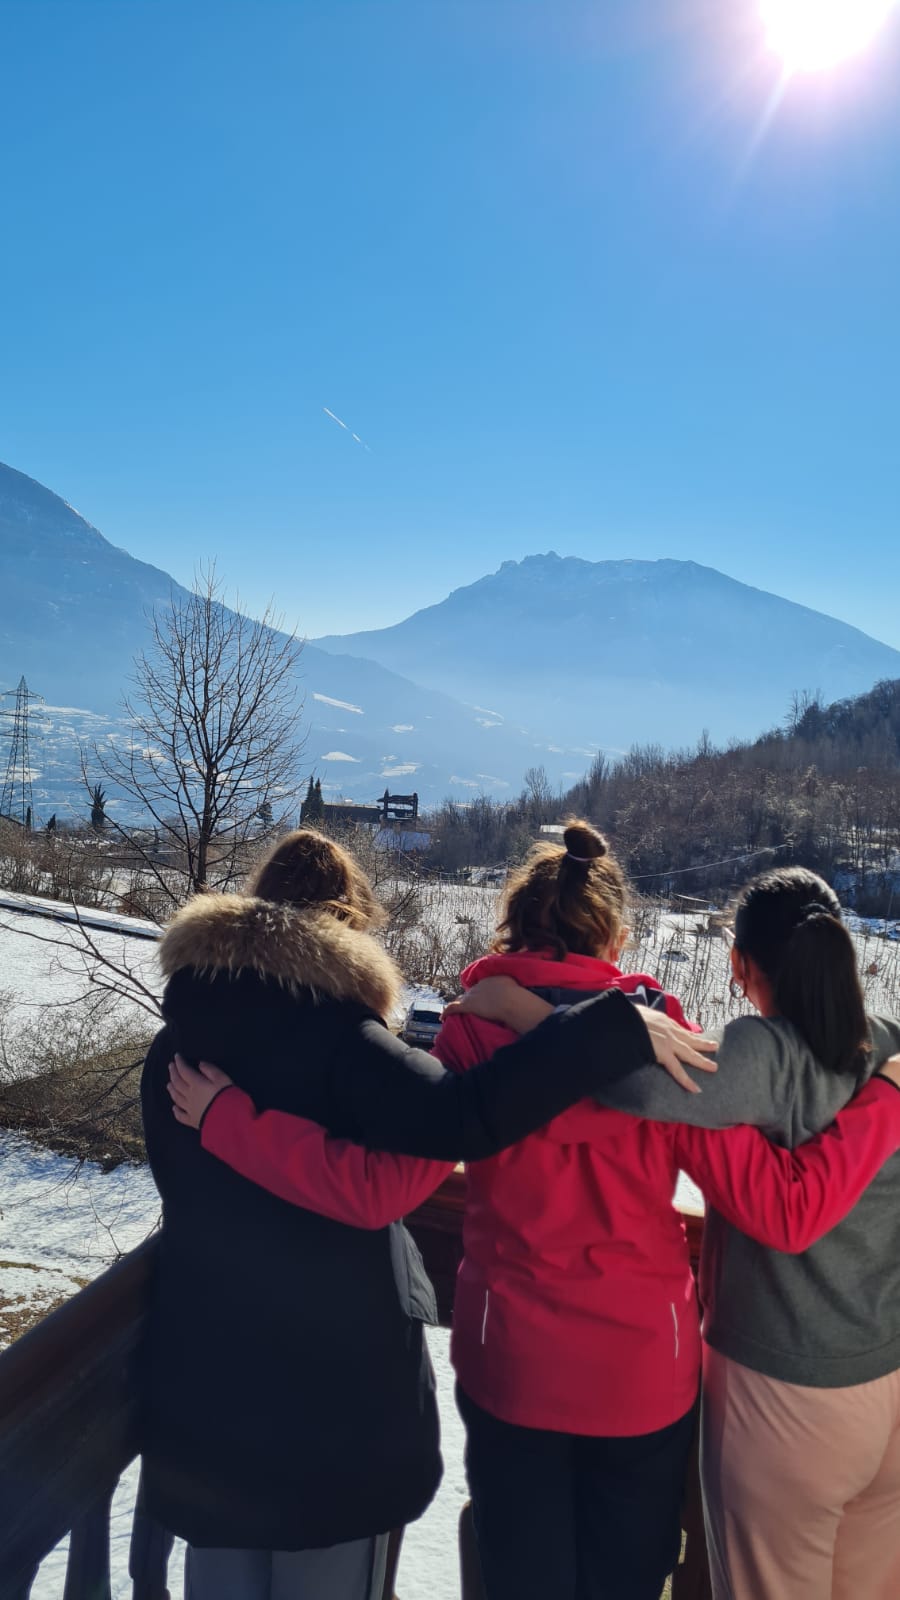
(343, 811)
(390, 808)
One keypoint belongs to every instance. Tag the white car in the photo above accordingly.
(422, 1023)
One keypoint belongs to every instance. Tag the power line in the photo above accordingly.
(704, 866)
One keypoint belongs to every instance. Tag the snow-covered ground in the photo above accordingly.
(50, 963)
(64, 911)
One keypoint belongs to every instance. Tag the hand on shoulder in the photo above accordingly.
(193, 1091)
(501, 1000)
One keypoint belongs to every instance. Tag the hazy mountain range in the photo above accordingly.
(539, 663)
(610, 653)
(73, 612)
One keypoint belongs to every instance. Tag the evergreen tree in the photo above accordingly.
(98, 807)
(318, 802)
(308, 801)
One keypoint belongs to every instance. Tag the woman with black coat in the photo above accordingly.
(315, 1431)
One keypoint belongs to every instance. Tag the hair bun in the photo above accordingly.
(814, 908)
(584, 843)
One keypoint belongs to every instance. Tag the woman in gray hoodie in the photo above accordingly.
(801, 1408)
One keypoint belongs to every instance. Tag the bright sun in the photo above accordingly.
(812, 35)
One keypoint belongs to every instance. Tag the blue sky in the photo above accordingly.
(536, 255)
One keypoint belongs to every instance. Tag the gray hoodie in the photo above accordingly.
(830, 1317)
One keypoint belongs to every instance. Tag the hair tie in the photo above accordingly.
(583, 861)
(814, 908)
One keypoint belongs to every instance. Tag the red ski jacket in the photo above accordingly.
(575, 1307)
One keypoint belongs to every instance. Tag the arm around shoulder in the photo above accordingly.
(392, 1097)
(788, 1199)
(753, 1083)
(299, 1162)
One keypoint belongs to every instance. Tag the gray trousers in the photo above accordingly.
(343, 1572)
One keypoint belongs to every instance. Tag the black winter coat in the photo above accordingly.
(307, 1415)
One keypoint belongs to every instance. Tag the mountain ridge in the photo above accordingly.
(571, 655)
(73, 610)
(613, 630)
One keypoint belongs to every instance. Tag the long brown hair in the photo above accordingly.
(567, 898)
(307, 869)
(789, 922)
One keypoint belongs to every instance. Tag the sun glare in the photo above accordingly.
(813, 35)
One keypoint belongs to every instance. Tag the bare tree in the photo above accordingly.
(212, 762)
(538, 793)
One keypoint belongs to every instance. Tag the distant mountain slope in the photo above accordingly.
(612, 652)
(70, 602)
(73, 614)
(582, 654)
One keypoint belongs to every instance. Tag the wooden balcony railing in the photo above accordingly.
(69, 1428)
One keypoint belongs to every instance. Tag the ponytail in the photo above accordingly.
(817, 988)
(789, 923)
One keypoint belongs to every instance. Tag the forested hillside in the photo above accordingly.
(824, 790)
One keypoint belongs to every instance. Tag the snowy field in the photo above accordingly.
(58, 1229)
(48, 963)
(674, 947)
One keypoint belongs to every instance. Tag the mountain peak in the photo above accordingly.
(25, 503)
(613, 653)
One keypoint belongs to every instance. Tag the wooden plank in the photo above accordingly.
(87, 1570)
(69, 1415)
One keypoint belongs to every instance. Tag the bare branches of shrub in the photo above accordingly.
(70, 1078)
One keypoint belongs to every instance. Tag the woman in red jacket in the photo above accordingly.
(576, 1338)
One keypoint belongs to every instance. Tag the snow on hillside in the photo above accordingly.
(342, 705)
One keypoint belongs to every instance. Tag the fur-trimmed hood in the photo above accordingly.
(299, 949)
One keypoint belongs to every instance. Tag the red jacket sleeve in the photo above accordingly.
(788, 1199)
(301, 1163)
(465, 1040)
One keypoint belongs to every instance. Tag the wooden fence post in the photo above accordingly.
(87, 1569)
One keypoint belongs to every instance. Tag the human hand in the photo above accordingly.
(192, 1091)
(501, 1000)
(674, 1047)
(890, 1069)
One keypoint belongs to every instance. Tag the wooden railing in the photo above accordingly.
(69, 1427)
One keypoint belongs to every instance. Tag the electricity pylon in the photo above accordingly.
(16, 799)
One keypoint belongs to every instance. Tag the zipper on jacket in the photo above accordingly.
(674, 1324)
(487, 1297)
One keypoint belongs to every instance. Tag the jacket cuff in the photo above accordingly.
(230, 1088)
(879, 1077)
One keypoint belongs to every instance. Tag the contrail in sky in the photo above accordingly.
(335, 418)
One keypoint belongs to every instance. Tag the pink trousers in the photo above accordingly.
(801, 1486)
